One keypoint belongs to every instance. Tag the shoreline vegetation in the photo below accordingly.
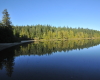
(66, 39)
(47, 32)
(10, 33)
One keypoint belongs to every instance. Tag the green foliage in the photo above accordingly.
(6, 29)
(48, 32)
(6, 19)
(42, 32)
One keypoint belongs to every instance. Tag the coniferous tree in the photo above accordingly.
(6, 31)
(6, 19)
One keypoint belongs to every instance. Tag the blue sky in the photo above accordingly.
(72, 13)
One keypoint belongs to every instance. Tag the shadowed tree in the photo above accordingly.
(6, 30)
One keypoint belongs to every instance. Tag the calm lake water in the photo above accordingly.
(52, 60)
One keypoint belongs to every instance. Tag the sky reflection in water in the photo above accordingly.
(83, 64)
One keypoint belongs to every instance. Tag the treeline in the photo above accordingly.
(6, 29)
(10, 33)
(50, 32)
(49, 47)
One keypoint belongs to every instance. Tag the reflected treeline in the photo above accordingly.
(47, 47)
(7, 61)
(41, 48)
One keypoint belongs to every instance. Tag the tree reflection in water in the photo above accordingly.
(47, 47)
(41, 48)
(7, 60)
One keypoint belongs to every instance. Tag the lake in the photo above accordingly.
(52, 60)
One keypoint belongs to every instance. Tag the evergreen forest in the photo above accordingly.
(11, 33)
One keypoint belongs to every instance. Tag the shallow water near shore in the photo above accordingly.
(57, 60)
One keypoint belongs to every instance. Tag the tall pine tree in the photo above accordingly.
(6, 19)
(6, 31)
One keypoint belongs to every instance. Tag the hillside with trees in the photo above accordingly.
(47, 32)
(11, 33)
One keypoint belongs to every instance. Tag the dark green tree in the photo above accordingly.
(6, 30)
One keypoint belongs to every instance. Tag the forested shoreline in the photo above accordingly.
(47, 32)
(11, 33)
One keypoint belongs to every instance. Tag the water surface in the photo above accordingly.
(53, 60)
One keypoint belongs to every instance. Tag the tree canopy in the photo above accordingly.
(6, 31)
(48, 32)
(9, 33)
